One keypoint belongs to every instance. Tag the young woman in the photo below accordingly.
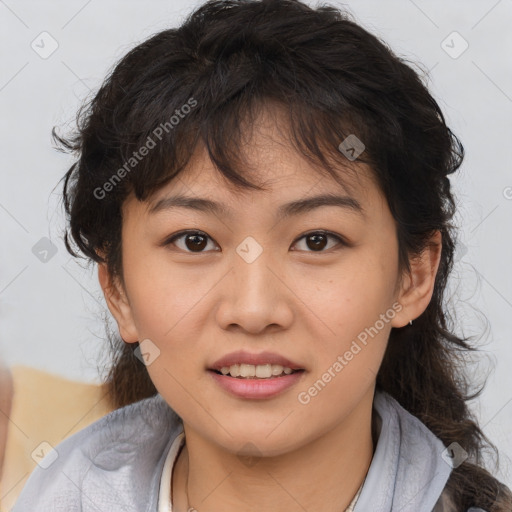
(265, 191)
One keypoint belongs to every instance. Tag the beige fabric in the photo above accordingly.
(5, 409)
(45, 409)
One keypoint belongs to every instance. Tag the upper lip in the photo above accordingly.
(243, 357)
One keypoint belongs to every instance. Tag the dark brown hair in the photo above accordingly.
(230, 59)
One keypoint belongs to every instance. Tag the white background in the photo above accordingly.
(50, 313)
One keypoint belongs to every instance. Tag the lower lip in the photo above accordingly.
(256, 388)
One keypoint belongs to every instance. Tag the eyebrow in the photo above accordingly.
(292, 208)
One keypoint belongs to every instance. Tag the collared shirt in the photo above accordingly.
(116, 464)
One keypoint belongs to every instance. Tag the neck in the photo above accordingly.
(323, 474)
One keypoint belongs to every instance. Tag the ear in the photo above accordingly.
(418, 286)
(118, 304)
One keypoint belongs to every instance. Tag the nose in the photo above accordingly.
(255, 296)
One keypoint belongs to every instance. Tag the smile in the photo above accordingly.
(260, 371)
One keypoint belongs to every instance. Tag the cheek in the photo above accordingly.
(354, 309)
(354, 294)
(163, 295)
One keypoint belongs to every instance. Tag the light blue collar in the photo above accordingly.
(407, 472)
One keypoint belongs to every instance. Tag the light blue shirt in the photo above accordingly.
(116, 464)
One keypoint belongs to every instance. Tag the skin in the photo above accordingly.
(306, 304)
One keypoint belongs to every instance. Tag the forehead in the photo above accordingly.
(292, 191)
(269, 160)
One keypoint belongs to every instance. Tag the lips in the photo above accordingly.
(254, 388)
(243, 357)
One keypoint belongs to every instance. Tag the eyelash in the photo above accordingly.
(329, 234)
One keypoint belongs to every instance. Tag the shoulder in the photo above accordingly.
(407, 471)
(112, 464)
(416, 434)
(414, 439)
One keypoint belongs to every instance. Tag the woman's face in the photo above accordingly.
(262, 276)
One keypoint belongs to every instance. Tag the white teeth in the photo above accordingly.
(277, 369)
(247, 370)
(261, 371)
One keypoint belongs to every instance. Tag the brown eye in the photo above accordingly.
(195, 242)
(190, 241)
(318, 240)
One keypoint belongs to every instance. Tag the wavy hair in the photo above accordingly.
(332, 78)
